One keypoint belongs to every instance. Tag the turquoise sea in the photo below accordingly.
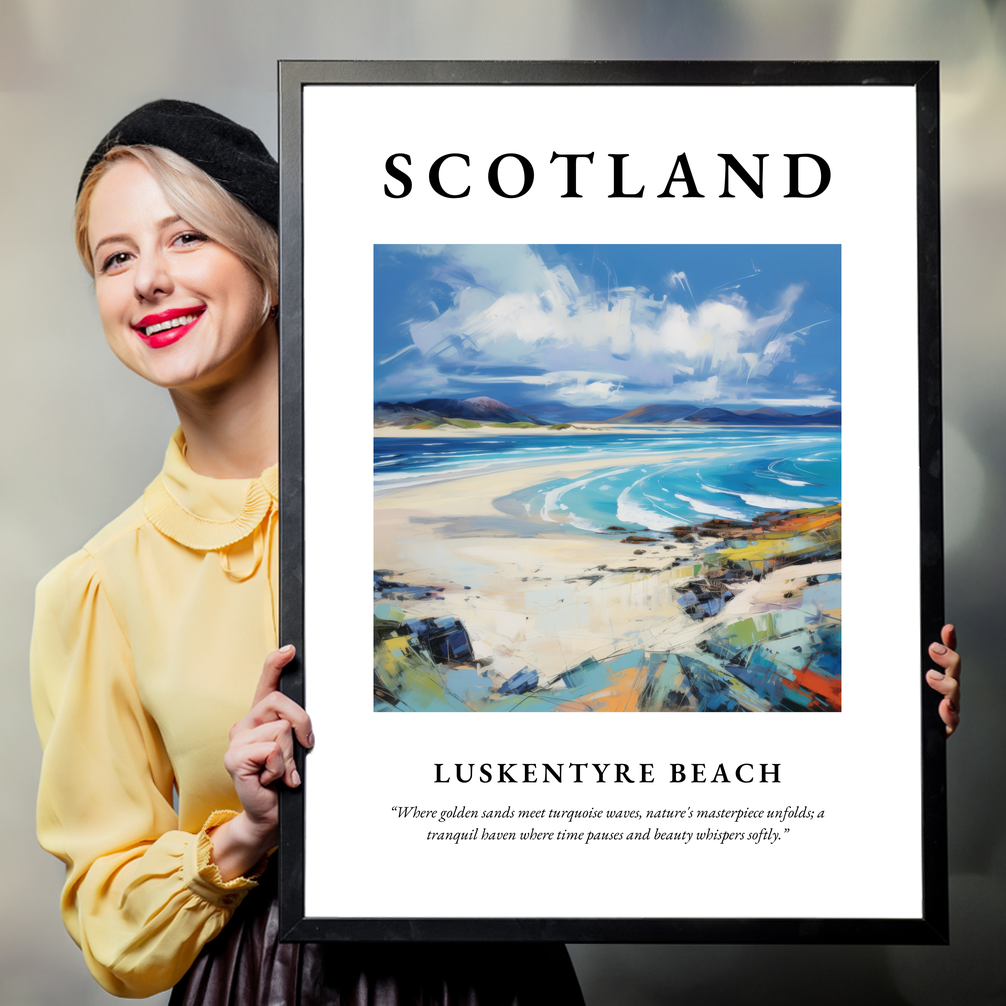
(696, 473)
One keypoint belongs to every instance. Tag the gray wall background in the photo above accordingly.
(82, 436)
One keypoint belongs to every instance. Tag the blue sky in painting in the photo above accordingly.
(609, 328)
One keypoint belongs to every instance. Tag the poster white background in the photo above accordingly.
(860, 766)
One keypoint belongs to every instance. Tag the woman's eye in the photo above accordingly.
(190, 238)
(114, 261)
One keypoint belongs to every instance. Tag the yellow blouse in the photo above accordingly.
(147, 647)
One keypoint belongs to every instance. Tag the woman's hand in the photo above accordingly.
(948, 681)
(260, 753)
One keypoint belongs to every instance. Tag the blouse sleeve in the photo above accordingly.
(141, 898)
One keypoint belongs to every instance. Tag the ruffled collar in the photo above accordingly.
(203, 513)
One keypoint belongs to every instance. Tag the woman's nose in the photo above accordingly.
(152, 277)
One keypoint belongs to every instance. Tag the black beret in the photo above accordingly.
(231, 154)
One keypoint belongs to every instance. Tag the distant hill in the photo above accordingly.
(765, 417)
(717, 415)
(654, 414)
(556, 412)
(724, 417)
(481, 409)
(829, 416)
(765, 411)
(489, 410)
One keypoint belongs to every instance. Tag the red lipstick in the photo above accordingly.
(165, 333)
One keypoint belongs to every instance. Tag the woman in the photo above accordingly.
(148, 643)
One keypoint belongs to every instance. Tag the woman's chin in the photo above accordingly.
(172, 374)
(197, 365)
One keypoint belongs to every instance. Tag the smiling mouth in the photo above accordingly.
(167, 327)
(185, 319)
(167, 321)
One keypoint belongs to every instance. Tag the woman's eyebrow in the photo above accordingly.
(109, 240)
(160, 225)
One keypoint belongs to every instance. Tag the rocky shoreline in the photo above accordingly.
(762, 600)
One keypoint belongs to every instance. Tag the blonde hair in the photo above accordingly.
(199, 200)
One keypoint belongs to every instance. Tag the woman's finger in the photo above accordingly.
(949, 636)
(946, 685)
(278, 732)
(948, 659)
(271, 671)
(951, 717)
(950, 689)
(947, 681)
(273, 766)
(277, 706)
(260, 760)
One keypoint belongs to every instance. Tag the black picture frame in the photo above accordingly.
(931, 927)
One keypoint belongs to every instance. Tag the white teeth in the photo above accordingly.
(173, 323)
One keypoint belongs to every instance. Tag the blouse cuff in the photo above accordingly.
(202, 876)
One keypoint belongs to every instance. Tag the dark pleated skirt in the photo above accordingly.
(246, 965)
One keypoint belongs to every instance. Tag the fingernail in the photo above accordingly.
(287, 649)
(936, 675)
(295, 777)
(938, 648)
(310, 740)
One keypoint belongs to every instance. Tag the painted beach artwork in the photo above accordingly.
(607, 478)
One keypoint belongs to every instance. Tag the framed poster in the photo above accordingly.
(584, 365)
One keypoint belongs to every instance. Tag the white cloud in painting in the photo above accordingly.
(403, 383)
(592, 393)
(584, 388)
(560, 377)
(514, 319)
(571, 386)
